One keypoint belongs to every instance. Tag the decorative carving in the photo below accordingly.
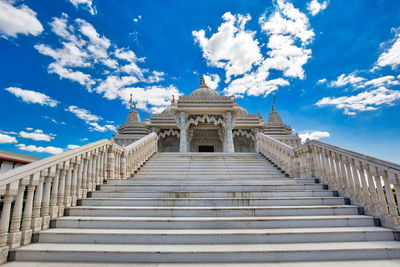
(245, 133)
(170, 132)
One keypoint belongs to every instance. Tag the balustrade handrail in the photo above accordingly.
(42, 190)
(140, 141)
(369, 182)
(26, 170)
(353, 154)
(277, 142)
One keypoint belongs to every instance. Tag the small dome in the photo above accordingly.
(167, 112)
(133, 117)
(241, 111)
(204, 92)
(274, 118)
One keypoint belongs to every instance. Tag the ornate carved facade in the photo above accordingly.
(205, 121)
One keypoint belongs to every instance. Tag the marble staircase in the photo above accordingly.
(211, 207)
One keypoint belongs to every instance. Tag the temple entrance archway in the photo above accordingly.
(205, 139)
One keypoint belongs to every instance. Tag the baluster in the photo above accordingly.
(14, 236)
(376, 191)
(79, 183)
(54, 194)
(4, 223)
(46, 203)
(89, 173)
(37, 205)
(26, 235)
(84, 177)
(357, 187)
(61, 190)
(364, 187)
(68, 185)
(74, 183)
(394, 219)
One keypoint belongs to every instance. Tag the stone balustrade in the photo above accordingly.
(34, 194)
(369, 182)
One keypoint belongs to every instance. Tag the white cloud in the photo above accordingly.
(87, 57)
(94, 126)
(8, 132)
(289, 34)
(382, 81)
(368, 100)
(90, 119)
(391, 55)
(254, 84)
(16, 20)
(72, 146)
(137, 18)
(150, 98)
(231, 47)
(6, 139)
(350, 79)
(321, 81)
(313, 135)
(37, 135)
(40, 149)
(54, 120)
(361, 82)
(86, 4)
(212, 80)
(314, 7)
(156, 77)
(84, 139)
(29, 96)
(83, 114)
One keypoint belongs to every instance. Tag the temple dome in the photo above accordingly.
(204, 92)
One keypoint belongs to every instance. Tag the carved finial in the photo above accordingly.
(274, 103)
(173, 99)
(203, 82)
(131, 101)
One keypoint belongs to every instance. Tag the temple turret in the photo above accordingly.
(280, 131)
(132, 130)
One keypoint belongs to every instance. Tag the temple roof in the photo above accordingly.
(204, 90)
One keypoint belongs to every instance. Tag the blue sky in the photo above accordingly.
(68, 66)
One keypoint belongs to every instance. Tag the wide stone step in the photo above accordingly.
(210, 172)
(208, 187)
(229, 194)
(209, 252)
(181, 176)
(215, 236)
(212, 211)
(184, 202)
(213, 222)
(214, 181)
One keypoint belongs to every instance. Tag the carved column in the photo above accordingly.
(228, 125)
(183, 125)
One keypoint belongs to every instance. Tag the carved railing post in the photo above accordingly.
(14, 237)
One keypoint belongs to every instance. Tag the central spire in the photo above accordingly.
(203, 82)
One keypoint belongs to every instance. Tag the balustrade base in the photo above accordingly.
(4, 254)
(73, 201)
(61, 210)
(80, 193)
(14, 239)
(26, 237)
(53, 212)
(46, 222)
(68, 202)
(37, 224)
